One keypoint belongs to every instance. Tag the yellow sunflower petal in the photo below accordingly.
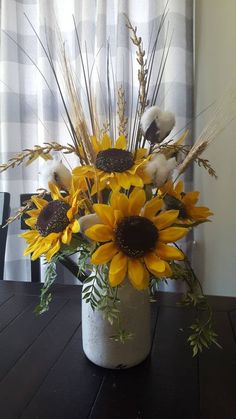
(169, 252)
(121, 142)
(36, 254)
(27, 251)
(114, 201)
(75, 227)
(104, 253)
(133, 169)
(168, 271)
(135, 180)
(119, 261)
(140, 153)
(137, 273)
(141, 172)
(152, 207)
(165, 219)
(40, 250)
(106, 142)
(120, 202)
(172, 234)
(76, 202)
(199, 213)
(106, 176)
(33, 213)
(190, 198)
(118, 268)
(30, 235)
(168, 188)
(117, 278)
(78, 171)
(55, 192)
(145, 281)
(97, 187)
(70, 214)
(137, 200)
(51, 237)
(66, 236)
(78, 183)
(82, 171)
(31, 222)
(123, 180)
(138, 165)
(117, 216)
(33, 246)
(95, 144)
(74, 206)
(124, 205)
(113, 184)
(100, 233)
(154, 263)
(51, 252)
(39, 202)
(179, 187)
(105, 213)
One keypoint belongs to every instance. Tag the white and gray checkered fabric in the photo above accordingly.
(31, 114)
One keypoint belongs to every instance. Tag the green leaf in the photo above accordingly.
(86, 295)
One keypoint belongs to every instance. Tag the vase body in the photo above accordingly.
(100, 348)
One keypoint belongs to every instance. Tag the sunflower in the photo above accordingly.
(133, 237)
(115, 167)
(52, 223)
(175, 198)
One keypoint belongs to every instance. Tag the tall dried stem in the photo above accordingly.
(122, 119)
(222, 114)
(142, 78)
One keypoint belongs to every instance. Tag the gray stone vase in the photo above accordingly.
(134, 307)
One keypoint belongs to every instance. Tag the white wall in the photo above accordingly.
(215, 250)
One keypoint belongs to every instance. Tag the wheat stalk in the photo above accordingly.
(142, 72)
(82, 137)
(36, 152)
(122, 125)
(142, 102)
(26, 207)
(223, 113)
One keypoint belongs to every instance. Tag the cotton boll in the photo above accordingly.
(166, 123)
(159, 168)
(157, 124)
(88, 221)
(55, 171)
(148, 117)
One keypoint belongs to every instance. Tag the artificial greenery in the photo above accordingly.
(101, 296)
(51, 272)
(202, 334)
(45, 295)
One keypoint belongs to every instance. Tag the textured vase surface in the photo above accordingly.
(134, 307)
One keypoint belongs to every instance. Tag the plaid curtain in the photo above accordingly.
(31, 113)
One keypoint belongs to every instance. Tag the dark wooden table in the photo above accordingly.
(45, 375)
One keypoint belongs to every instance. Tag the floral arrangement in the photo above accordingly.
(123, 208)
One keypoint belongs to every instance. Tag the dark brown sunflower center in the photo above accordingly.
(135, 236)
(53, 218)
(114, 160)
(174, 203)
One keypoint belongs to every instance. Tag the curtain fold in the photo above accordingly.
(31, 113)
